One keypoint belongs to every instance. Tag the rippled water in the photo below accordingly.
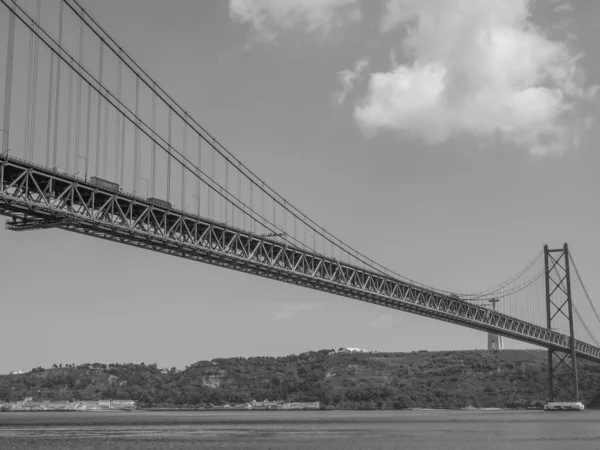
(440, 430)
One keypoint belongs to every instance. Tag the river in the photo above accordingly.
(291, 430)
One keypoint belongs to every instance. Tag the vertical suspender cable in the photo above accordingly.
(49, 122)
(153, 161)
(252, 221)
(88, 127)
(183, 170)
(537, 303)
(198, 169)
(212, 192)
(118, 122)
(123, 127)
(239, 196)
(78, 113)
(332, 250)
(222, 201)
(209, 204)
(531, 292)
(69, 120)
(534, 316)
(105, 149)
(36, 52)
(244, 208)
(169, 155)
(262, 205)
(99, 109)
(57, 95)
(511, 300)
(232, 198)
(123, 123)
(304, 235)
(533, 298)
(274, 214)
(226, 193)
(542, 301)
(295, 228)
(29, 89)
(8, 81)
(136, 137)
(284, 219)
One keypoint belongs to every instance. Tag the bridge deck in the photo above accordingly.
(36, 197)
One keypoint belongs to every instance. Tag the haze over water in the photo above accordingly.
(440, 430)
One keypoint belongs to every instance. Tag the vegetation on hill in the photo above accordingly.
(509, 378)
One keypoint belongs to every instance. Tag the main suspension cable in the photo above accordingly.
(230, 159)
(585, 291)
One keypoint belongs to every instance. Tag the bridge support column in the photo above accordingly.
(495, 341)
(562, 370)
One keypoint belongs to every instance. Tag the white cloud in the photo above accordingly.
(478, 67)
(267, 16)
(348, 77)
(564, 7)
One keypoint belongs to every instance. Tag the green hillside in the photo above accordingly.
(509, 378)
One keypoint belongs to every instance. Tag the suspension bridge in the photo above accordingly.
(92, 144)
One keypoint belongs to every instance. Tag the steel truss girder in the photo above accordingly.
(31, 192)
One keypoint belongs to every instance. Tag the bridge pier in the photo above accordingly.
(495, 341)
(562, 366)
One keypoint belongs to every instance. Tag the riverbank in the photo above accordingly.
(338, 380)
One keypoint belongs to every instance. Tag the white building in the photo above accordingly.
(352, 350)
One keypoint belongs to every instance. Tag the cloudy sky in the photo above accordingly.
(447, 139)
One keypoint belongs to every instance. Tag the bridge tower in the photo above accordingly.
(562, 366)
(494, 340)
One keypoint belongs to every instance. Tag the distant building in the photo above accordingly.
(352, 350)
(266, 404)
(301, 405)
(17, 372)
(123, 404)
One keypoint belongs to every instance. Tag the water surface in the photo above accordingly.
(291, 430)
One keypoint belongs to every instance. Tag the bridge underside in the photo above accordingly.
(38, 198)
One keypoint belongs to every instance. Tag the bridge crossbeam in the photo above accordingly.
(33, 194)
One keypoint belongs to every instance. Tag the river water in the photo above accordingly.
(291, 430)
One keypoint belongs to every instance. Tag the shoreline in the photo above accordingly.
(238, 410)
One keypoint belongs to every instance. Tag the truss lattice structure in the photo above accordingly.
(36, 197)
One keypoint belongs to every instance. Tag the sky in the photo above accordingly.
(449, 140)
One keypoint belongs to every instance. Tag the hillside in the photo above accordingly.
(509, 378)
